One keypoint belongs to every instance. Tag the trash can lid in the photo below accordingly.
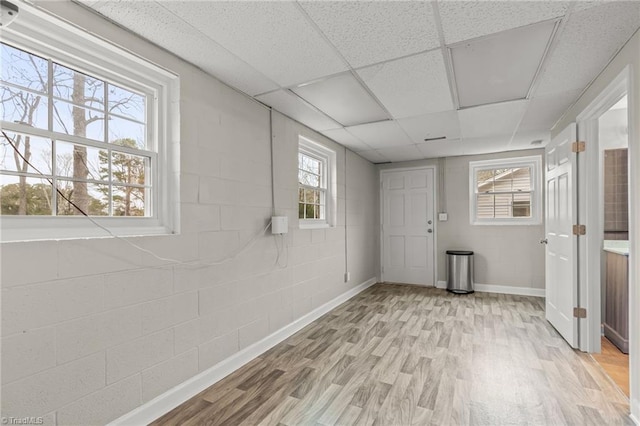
(460, 252)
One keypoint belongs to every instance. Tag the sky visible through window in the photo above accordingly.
(44, 101)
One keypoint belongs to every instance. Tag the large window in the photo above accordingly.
(315, 169)
(505, 191)
(84, 127)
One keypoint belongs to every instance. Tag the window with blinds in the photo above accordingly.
(505, 191)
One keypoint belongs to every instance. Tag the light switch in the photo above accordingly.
(442, 217)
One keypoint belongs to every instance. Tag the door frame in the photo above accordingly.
(591, 214)
(435, 219)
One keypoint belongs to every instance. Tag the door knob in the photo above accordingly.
(544, 241)
(429, 230)
(429, 222)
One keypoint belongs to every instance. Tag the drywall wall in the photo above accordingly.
(505, 255)
(93, 328)
(627, 58)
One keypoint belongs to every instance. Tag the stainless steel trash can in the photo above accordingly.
(460, 271)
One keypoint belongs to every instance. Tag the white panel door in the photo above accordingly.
(408, 227)
(561, 248)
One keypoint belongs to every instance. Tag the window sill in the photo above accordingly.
(508, 223)
(316, 225)
(65, 229)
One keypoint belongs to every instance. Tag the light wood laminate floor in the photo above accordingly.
(407, 355)
(615, 363)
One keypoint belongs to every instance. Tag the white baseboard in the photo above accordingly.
(175, 396)
(504, 289)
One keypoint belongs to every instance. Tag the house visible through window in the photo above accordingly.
(84, 132)
(505, 191)
(315, 167)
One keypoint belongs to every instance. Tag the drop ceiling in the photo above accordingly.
(381, 77)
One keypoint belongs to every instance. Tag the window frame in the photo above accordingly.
(535, 162)
(37, 32)
(326, 157)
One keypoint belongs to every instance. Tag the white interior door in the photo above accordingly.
(408, 226)
(561, 252)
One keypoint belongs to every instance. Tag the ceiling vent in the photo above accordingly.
(500, 67)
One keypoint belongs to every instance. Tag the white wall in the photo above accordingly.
(628, 56)
(503, 255)
(93, 328)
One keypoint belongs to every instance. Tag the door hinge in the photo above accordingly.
(579, 230)
(578, 147)
(579, 312)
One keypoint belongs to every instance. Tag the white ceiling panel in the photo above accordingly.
(523, 139)
(347, 139)
(411, 86)
(344, 99)
(493, 69)
(444, 148)
(373, 156)
(383, 134)
(489, 120)
(432, 126)
(590, 39)
(543, 111)
(274, 37)
(401, 153)
(291, 105)
(165, 29)
(485, 145)
(370, 32)
(464, 20)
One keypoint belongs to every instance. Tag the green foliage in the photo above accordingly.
(38, 199)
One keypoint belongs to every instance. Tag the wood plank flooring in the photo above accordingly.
(615, 363)
(407, 355)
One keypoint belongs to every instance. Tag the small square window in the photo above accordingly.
(505, 191)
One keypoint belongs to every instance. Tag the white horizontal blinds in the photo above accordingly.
(84, 137)
(503, 193)
(312, 187)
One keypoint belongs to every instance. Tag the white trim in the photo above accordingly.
(590, 202)
(502, 289)
(42, 33)
(327, 157)
(175, 396)
(535, 161)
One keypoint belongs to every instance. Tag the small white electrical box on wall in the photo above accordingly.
(442, 217)
(279, 224)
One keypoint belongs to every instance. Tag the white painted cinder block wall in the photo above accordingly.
(509, 256)
(93, 328)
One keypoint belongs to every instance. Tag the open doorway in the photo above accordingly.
(604, 126)
(613, 144)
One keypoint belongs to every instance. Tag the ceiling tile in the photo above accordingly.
(494, 69)
(165, 29)
(444, 148)
(401, 153)
(274, 37)
(370, 32)
(589, 40)
(489, 120)
(485, 145)
(343, 98)
(383, 134)
(345, 138)
(432, 126)
(411, 86)
(291, 105)
(374, 156)
(523, 139)
(463, 20)
(543, 111)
